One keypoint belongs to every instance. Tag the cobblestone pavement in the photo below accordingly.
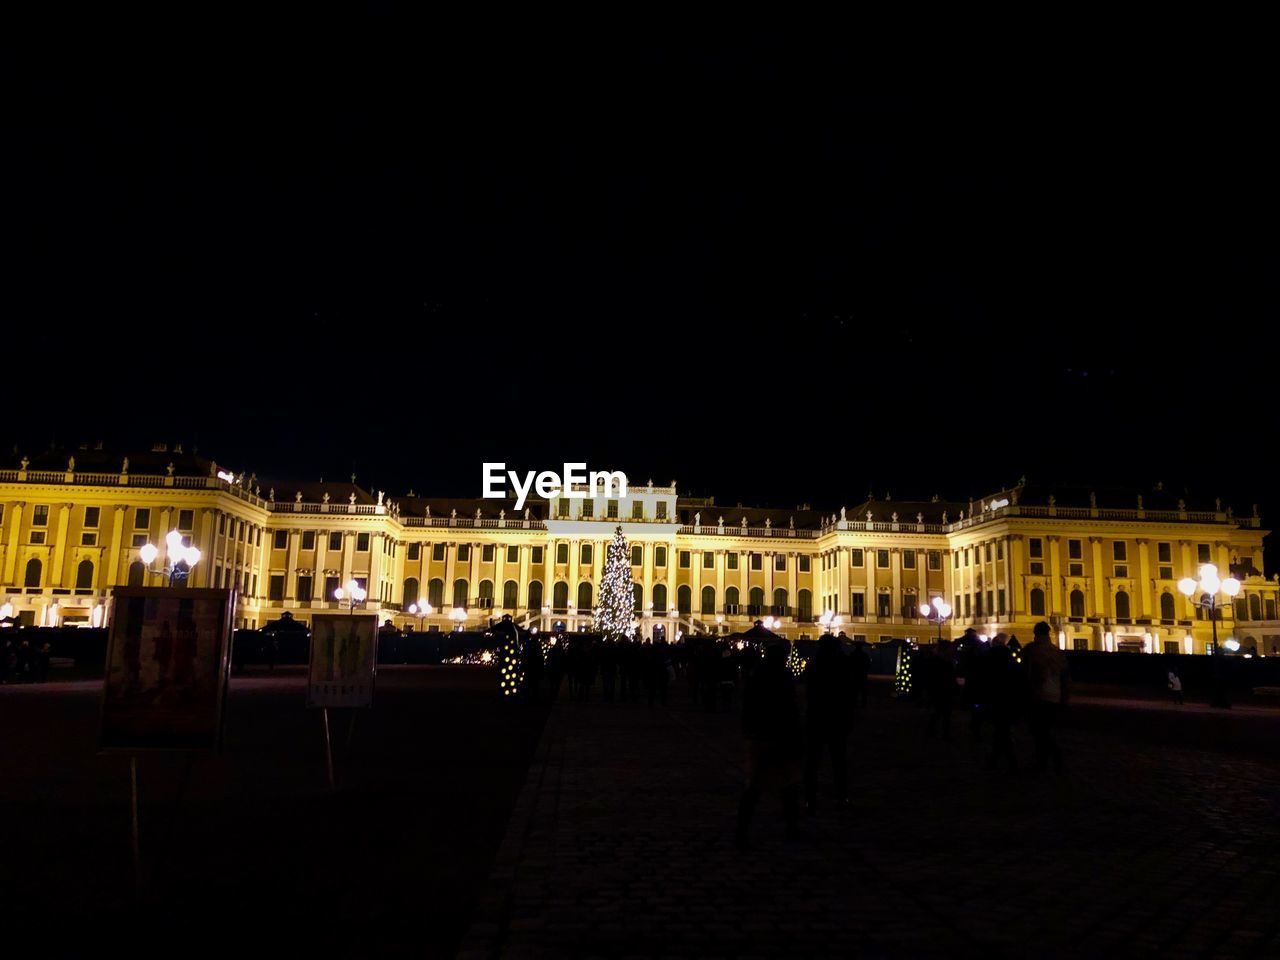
(621, 845)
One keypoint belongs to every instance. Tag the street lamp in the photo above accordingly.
(353, 593)
(459, 616)
(420, 610)
(936, 611)
(1207, 589)
(179, 558)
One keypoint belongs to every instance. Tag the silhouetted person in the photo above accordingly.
(532, 656)
(860, 661)
(771, 728)
(43, 655)
(1004, 693)
(663, 668)
(940, 677)
(1048, 688)
(609, 652)
(23, 662)
(972, 667)
(1175, 686)
(555, 667)
(829, 699)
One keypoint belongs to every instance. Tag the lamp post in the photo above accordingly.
(459, 616)
(353, 593)
(936, 611)
(420, 610)
(1206, 588)
(179, 558)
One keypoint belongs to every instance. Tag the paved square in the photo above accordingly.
(621, 842)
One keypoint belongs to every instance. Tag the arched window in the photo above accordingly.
(460, 592)
(731, 597)
(1241, 607)
(684, 599)
(560, 596)
(1077, 603)
(1122, 605)
(486, 590)
(33, 573)
(585, 554)
(1166, 606)
(535, 595)
(410, 591)
(637, 596)
(510, 593)
(708, 600)
(660, 597)
(1255, 607)
(84, 575)
(584, 597)
(804, 600)
(780, 598)
(435, 592)
(1037, 602)
(755, 599)
(659, 556)
(137, 574)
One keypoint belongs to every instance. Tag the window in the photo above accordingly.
(757, 561)
(486, 594)
(1202, 553)
(281, 539)
(882, 559)
(780, 599)
(1122, 570)
(460, 587)
(435, 592)
(362, 543)
(304, 587)
(955, 560)
(660, 597)
(731, 599)
(1000, 601)
(464, 553)
(510, 592)
(437, 552)
(1165, 573)
(1036, 548)
(1037, 567)
(562, 507)
(804, 605)
(1075, 569)
(1075, 550)
(882, 604)
(1255, 607)
(1166, 606)
(986, 552)
(637, 597)
(330, 587)
(1122, 605)
(968, 556)
(486, 553)
(513, 554)
(999, 549)
(139, 539)
(659, 556)
(91, 515)
(84, 575)
(684, 600)
(535, 595)
(584, 594)
(611, 509)
(1077, 603)
(708, 560)
(968, 604)
(1164, 553)
(413, 553)
(562, 552)
(909, 559)
(40, 515)
(731, 560)
(584, 554)
(1037, 602)
(637, 510)
(335, 541)
(410, 594)
(684, 559)
(804, 563)
(186, 519)
(138, 574)
(32, 578)
(89, 538)
(662, 509)
(275, 587)
(755, 600)
(708, 600)
(859, 604)
(1120, 550)
(637, 555)
(308, 539)
(855, 557)
(1270, 606)
(935, 560)
(38, 536)
(259, 541)
(588, 508)
(222, 524)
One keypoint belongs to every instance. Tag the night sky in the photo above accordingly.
(748, 266)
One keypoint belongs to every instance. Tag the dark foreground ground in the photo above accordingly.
(1162, 840)
(247, 854)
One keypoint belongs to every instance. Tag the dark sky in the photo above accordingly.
(750, 266)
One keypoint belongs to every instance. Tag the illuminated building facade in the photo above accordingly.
(1103, 572)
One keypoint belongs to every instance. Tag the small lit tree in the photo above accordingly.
(902, 676)
(614, 613)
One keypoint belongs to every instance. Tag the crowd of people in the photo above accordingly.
(20, 662)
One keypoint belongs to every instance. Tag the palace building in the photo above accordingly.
(1101, 567)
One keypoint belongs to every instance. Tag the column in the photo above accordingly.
(1185, 569)
(56, 575)
(522, 586)
(499, 561)
(348, 557)
(317, 575)
(1055, 574)
(646, 572)
(291, 565)
(695, 583)
(1017, 599)
(113, 557)
(744, 577)
(1099, 579)
(1144, 579)
(377, 544)
(793, 581)
(574, 547)
(474, 577)
(549, 575)
(842, 584)
(869, 565)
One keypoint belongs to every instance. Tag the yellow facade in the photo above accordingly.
(1104, 576)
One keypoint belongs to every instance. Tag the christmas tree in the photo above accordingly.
(902, 676)
(510, 662)
(615, 612)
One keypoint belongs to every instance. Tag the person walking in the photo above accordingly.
(1175, 686)
(1048, 688)
(774, 747)
(829, 700)
(940, 678)
(860, 661)
(1003, 696)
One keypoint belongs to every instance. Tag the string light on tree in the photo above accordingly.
(795, 662)
(615, 614)
(902, 675)
(510, 663)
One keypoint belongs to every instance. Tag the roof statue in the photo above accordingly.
(297, 497)
(71, 465)
(351, 498)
